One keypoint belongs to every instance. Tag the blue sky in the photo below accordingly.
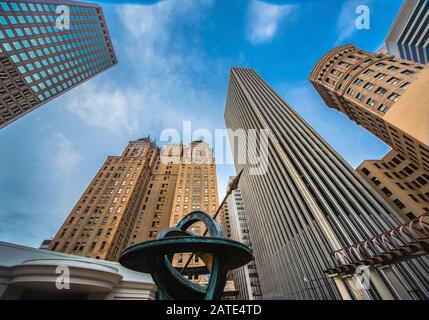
(174, 59)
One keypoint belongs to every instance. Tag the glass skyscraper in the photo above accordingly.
(46, 48)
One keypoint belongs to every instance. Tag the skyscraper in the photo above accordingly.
(308, 204)
(388, 97)
(111, 213)
(48, 47)
(196, 189)
(137, 194)
(246, 278)
(408, 37)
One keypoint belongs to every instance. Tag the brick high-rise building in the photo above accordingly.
(401, 183)
(388, 97)
(385, 95)
(196, 189)
(41, 59)
(110, 212)
(308, 204)
(137, 194)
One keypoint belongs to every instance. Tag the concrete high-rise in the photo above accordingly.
(48, 47)
(245, 278)
(388, 97)
(308, 204)
(408, 37)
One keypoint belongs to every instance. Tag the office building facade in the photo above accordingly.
(307, 205)
(136, 195)
(245, 278)
(408, 37)
(196, 189)
(400, 182)
(108, 216)
(47, 48)
(386, 96)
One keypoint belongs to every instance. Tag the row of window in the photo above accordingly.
(37, 7)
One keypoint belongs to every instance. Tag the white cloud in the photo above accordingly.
(67, 157)
(161, 89)
(264, 20)
(100, 105)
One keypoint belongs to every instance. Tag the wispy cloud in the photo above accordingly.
(264, 20)
(346, 23)
(67, 157)
(160, 89)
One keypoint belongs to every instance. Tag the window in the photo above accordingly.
(393, 80)
(358, 81)
(375, 181)
(410, 215)
(407, 72)
(399, 204)
(360, 96)
(386, 191)
(380, 91)
(380, 76)
(371, 102)
(405, 85)
(365, 171)
(369, 86)
(394, 97)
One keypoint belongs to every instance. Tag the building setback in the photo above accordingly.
(408, 37)
(388, 97)
(40, 59)
(307, 205)
(245, 278)
(400, 182)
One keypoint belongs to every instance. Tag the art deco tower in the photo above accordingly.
(127, 202)
(137, 194)
(41, 59)
(388, 97)
(308, 204)
(196, 189)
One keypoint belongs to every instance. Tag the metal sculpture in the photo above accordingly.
(402, 243)
(156, 256)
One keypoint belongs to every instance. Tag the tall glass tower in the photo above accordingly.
(309, 204)
(48, 47)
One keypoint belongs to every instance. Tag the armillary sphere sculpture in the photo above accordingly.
(218, 254)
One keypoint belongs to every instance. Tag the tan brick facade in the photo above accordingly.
(389, 98)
